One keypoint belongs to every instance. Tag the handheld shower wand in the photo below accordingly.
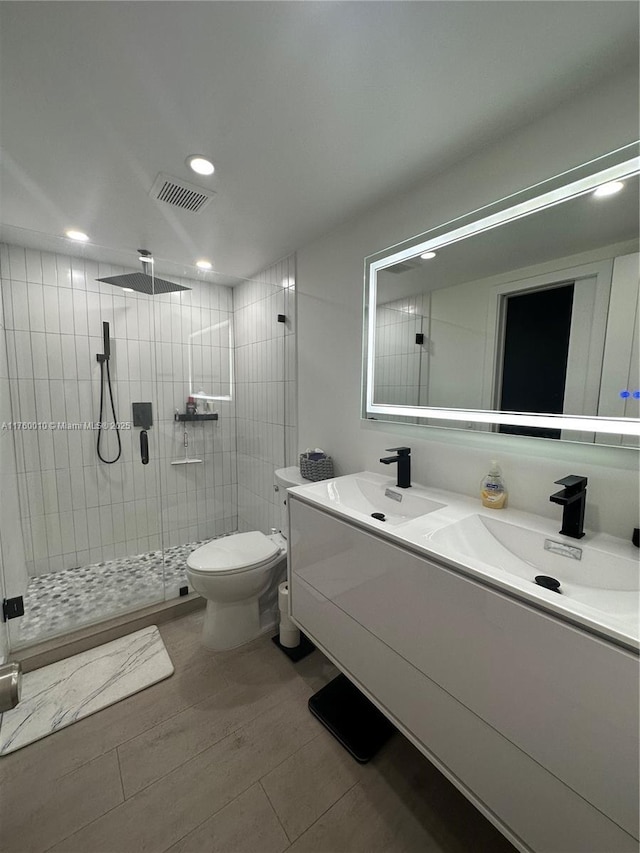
(103, 359)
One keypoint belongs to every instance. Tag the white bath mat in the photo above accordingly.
(62, 693)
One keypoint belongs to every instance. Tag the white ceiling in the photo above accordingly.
(311, 111)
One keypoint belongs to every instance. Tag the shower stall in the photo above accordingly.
(119, 440)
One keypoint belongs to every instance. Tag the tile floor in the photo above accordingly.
(64, 601)
(224, 757)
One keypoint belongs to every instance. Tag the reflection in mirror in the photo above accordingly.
(533, 316)
(211, 362)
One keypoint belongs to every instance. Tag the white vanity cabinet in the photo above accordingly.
(535, 720)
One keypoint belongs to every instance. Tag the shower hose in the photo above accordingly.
(113, 409)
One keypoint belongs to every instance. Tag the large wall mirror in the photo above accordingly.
(520, 318)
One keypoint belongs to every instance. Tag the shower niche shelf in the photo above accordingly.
(184, 416)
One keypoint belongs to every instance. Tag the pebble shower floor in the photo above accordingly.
(64, 601)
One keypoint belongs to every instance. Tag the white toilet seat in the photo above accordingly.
(240, 552)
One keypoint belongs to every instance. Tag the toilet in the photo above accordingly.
(234, 573)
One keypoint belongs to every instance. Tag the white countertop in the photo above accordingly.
(599, 592)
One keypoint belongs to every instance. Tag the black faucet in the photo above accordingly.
(573, 499)
(404, 465)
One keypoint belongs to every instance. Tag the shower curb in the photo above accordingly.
(58, 648)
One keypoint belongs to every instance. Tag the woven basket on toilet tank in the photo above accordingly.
(316, 469)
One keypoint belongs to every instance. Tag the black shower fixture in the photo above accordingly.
(142, 282)
(103, 360)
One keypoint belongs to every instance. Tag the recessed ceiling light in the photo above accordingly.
(200, 164)
(428, 255)
(611, 188)
(204, 265)
(73, 234)
(128, 289)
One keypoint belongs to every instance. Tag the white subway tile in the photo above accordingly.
(36, 307)
(51, 309)
(58, 411)
(27, 398)
(94, 321)
(43, 400)
(39, 354)
(48, 485)
(106, 313)
(39, 537)
(80, 324)
(119, 529)
(69, 367)
(35, 497)
(17, 263)
(65, 306)
(60, 448)
(106, 526)
(147, 330)
(91, 274)
(24, 362)
(63, 270)
(5, 267)
(20, 305)
(54, 539)
(85, 401)
(81, 534)
(95, 553)
(84, 359)
(34, 266)
(6, 307)
(103, 479)
(72, 403)
(49, 269)
(70, 560)
(88, 442)
(34, 451)
(78, 274)
(63, 490)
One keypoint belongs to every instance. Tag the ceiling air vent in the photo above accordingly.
(404, 266)
(181, 194)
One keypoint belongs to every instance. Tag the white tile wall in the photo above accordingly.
(74, 509)
(266, 390)
(401, 367)
(13, 571)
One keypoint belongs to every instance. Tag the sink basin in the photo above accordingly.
(364, 495)
(602, 577)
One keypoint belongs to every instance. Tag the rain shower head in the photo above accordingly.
(143, 283)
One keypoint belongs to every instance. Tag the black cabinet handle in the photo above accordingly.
(144, 447)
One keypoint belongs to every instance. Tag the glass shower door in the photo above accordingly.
(196, 418)
(88, 531)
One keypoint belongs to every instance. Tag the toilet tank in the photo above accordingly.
(285, 478)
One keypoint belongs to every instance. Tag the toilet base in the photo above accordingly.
(230, 624)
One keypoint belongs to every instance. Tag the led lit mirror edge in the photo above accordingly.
(439, 238)
(600, 164)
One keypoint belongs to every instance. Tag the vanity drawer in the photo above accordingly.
(536, 811)
(563, 697)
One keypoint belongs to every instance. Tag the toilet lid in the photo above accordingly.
(233, 553)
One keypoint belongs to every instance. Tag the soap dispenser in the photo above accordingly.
(493, 492)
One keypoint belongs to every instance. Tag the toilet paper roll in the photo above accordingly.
(289, 633)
